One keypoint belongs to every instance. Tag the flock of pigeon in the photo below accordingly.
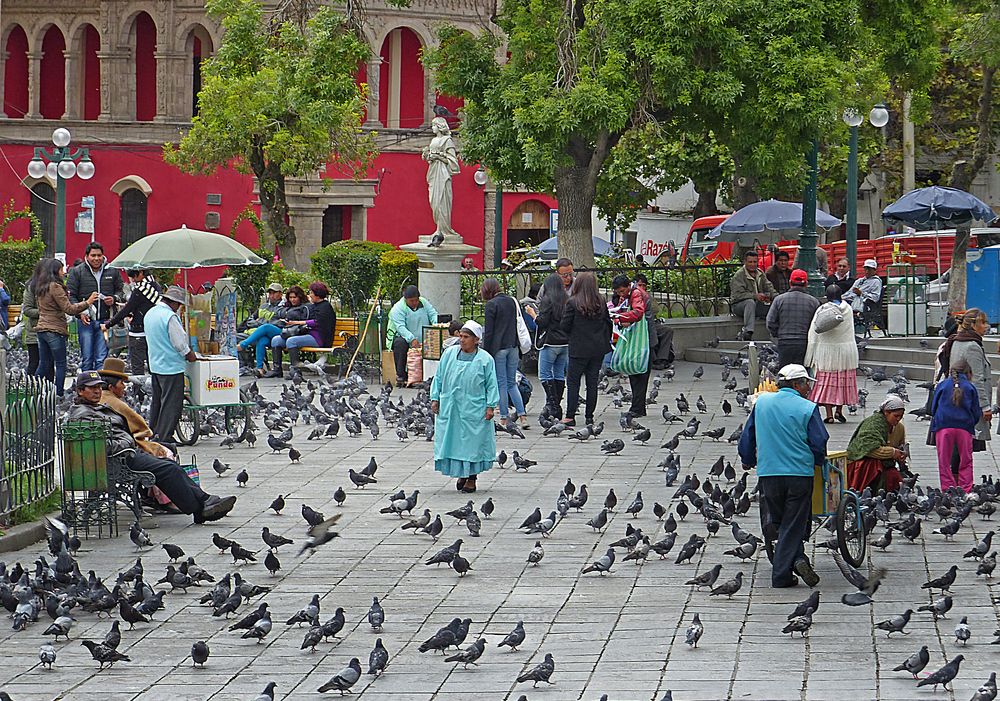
(708, 509)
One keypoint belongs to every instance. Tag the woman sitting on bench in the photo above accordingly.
(316, 331)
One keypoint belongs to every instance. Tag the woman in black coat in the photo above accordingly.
(553, 357)
(500, 341)
(587, 326)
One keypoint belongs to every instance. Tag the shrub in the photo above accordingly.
(286, 278)
(17, 261)
(396, 270)
(350, 269)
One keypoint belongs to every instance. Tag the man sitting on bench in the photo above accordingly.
(187, 496)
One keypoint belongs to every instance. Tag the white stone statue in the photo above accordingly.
(442, 164)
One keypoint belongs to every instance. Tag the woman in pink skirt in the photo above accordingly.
(832, 353)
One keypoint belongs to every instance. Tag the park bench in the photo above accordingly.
(345, 342)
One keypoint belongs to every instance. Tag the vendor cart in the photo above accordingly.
(235, 417)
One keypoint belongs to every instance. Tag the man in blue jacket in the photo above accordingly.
(407, 318)
(794, 441)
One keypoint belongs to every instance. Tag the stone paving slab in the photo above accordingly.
(622, 634)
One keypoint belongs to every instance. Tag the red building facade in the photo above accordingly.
(123, 77)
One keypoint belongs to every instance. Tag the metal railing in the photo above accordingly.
(27, 426)
(681, 291)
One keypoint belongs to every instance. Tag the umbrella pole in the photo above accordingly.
(187, 318)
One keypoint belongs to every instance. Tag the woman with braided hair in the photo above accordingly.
(955, 411)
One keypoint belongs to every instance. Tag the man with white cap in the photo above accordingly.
(168, 350)
(785, 439)
(867, 289)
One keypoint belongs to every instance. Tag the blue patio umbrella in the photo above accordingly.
(551, 246)
(937, 206)
(761, 221)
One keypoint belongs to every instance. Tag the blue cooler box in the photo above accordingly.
(983, 284)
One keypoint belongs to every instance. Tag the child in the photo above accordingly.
(955, 412)
(454, 327)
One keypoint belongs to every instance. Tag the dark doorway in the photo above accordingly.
(43, 205)
(333, 224)
(132, 224)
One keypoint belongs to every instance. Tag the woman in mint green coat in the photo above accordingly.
(464, 396)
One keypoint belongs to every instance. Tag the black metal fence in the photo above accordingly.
(28, 444)
(680, 291)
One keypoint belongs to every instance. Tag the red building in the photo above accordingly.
(123, 77)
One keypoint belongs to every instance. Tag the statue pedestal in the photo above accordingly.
(440, 272)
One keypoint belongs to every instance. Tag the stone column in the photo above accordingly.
(430, 97)
(359, 222)
(489, 227)
(307, 218)
(372, 73)
(74, 61)
(440, 272)
(117, 85)
(34, 85)
(171, 97)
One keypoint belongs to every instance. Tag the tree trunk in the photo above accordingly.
(576, 204)
(962, 174)
(705, 206)
(274, 209)
(744, 190)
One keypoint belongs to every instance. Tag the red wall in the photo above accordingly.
(91, 73)
(145, 68)
(52, 85)
(15, 75)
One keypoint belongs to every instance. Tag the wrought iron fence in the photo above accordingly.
(28, 444)
(680, 291)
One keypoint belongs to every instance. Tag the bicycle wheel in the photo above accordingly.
(238, 419)
(188, 427)
(852, 538)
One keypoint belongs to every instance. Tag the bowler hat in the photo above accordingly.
(114, 367)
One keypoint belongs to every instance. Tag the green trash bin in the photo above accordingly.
(84, 455)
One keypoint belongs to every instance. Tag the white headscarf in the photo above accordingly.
(475, 328)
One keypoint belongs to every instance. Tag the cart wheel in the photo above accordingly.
(851, 535)
(238, 419)
(188, 427)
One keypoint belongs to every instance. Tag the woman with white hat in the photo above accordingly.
(464, 397)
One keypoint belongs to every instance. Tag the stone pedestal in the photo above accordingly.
(440, 272)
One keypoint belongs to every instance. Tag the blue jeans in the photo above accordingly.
(552, 363)
(505, 362)
(93, 348)
(300, 341)
(260, 339)
(52, 354)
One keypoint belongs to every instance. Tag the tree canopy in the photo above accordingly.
(278, 99)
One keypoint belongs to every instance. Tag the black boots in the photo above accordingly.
(276, 370)
(293, 357)
(553, 398)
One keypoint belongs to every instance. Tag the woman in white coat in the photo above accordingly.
(833, 355)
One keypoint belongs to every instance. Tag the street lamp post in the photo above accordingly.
(61, 163)
(806, 256)
(879, 117)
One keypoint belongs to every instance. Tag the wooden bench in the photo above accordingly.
(345, 341)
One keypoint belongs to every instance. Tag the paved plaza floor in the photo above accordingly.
(621, 635)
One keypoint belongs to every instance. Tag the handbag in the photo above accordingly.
(631, 354)
(523, 335)
(292, 331)
(828, 317)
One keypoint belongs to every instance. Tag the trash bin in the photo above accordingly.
(84, 455)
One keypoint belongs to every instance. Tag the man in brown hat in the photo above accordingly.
(114, 376)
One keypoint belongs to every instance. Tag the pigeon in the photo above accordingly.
(272, 563)
(943, 582)
(611, 501)
(694, 631)
(962, 631)
(444, 638)
(469, 655)
(199, 653)
(219, 467)
(273, 541)
(939, 607)
(729, 587)
(174, 552)
(312, 638)
(60, 627)
(446, 555)
(699, 372)
(240, 553)
(982, 547)
(488, 508)
(866, 586)
(896, 624)
(474, 524)
(360, 480)
(539, 673)
(988, 691)
(514, 638)
(663, 546)
(268, 693)
(376, 615)
(113, 638)
(521, 462)
(944, 675)
(536, 554)
(378, 658)
(599, 521)
(636, 506)
(799, 624)
(223, 544)
(915, 662)
(345, 678)
(613, 447)
(987, 565)
(642, 436)
(104, 655)
(706, 579)
(321, 533)
(260, 629)
(810, 603)
(242, 478)
(137, 534)
(306, 615)
(603, 564)
(544, 525)
(340, 496)
(460, 565)
(47, 655)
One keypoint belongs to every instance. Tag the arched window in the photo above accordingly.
(132, 220)
(144, 36)
(43, 198)
(52, 84)
(90, 74)
(199, 48)
(401, 81)
(15, 74)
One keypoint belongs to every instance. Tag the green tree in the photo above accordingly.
(597, 96)
(279, 100)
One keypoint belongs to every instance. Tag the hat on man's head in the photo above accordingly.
(175, 294)
(411, 292)
(871, 263)
(89, 378)
(114, 367)
(794, 371)
(473, 327)
(799, 277)
(275, 287)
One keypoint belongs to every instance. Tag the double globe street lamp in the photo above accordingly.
(879, 117)
(60, 164)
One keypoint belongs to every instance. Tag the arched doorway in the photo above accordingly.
(401, 81)
(43, 206)
(528, 224)
(144, 41)
(198, 47)
(15, 74)
(52, 83)
(90, 73)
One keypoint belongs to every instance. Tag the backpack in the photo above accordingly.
(827, 317)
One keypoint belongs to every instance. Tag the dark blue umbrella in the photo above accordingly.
(936, 206)
(755, 219)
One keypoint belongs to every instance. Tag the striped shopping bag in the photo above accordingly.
(631, 354)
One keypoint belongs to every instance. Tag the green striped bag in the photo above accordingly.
(631, 354)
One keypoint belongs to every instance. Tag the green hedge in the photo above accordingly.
(396, 270)
(17, 261)
(350, 269)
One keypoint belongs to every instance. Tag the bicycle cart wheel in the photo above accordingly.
(188, 427)
(238, 419)
(852, 537)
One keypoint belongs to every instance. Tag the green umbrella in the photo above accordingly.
(185, 248)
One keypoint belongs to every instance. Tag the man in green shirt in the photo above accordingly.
(749, 294)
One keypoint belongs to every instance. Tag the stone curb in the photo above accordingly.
(22, 535)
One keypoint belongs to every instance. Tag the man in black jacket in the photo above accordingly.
(145, 294)
(93, 274)
(187, 496)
